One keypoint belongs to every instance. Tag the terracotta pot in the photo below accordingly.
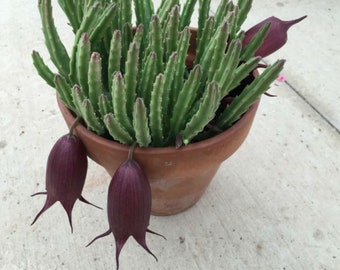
(178, 177)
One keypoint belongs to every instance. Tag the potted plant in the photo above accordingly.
(156, 103)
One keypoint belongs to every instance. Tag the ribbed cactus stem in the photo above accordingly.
(182, 52)
(104, 21)
(65, 91)
(131, 76)
(141, 123)
(244, 8)
(95, 79)
(203, 15)
(127, 37)
(78, 98)
(119, 100)
(221, 12)
(204, 114)
(104, 105)
(81, 9)
(184, 101)
(70, 11)
(147, 78)
(169, 75)
(155, 41)
(244, 70)
(229, 63)
(256, 42)
(54, 45)
(138, 36)
(125, 15)
(144, 10)
(188, 10)
(116, 130)
(115, 55)
(204, 38)
(148, 11)
(209, 51)
(249, 95)
(231, 18)
(91, 118)
(156, 109)
(139, 11)
(86, 25)
(171, 32)
(43, 70)
(165, 9)
(219, 49)
(82, 61)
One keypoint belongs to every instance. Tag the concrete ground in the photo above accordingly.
(275, 204)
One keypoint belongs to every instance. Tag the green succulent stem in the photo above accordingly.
(244, 8)
(125, 15)
(116, 130)
(204, 114)
(70, 11)
(103, 22)
(119, 100)
(91, 118)
(204, 38)
(155, 41)
(95, 79)
(250, 49)
(171, 32)
(131, 76)
(83, 56)
(165, 8)
(221, 12)
(249, 95)
(104, 104)
(43, 70)
(188, 10)
(182, 55)
(86, 26)
(184, 102)
(243, 71)
(169, 75)
(148, 76)
(141, 124)
(54, 45)
(219, 49)
(65, 91)
(156, 126)
(203, 15)
(115, 55)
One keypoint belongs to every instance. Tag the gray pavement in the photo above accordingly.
(275, 204)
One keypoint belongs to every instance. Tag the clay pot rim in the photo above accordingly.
(116, 146)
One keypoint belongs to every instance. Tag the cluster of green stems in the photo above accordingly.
(135, 84)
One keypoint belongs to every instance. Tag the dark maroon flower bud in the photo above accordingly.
(65, 175)
(276, 37)
(128, 206)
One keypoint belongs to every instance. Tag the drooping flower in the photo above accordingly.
(128, 206)
(65, 175)
(276, 37)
